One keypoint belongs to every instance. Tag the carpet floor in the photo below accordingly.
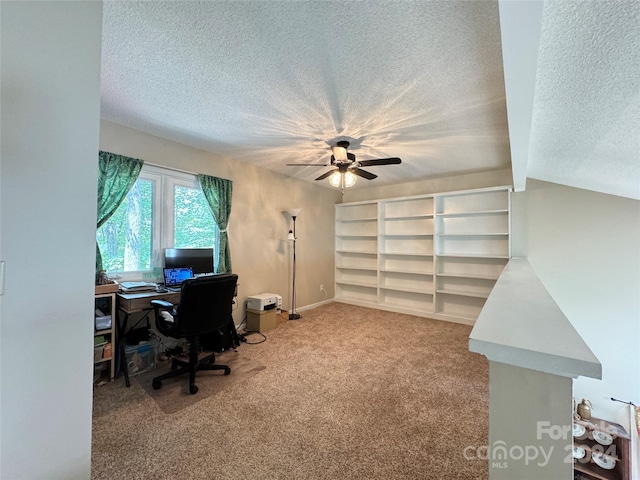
(343, 393)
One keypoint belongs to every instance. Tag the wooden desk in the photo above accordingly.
(129, 303)
(140, 302)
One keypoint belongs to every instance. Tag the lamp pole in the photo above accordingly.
(292, 236)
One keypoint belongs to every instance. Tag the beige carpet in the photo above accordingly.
(174, 394)
(347, 393)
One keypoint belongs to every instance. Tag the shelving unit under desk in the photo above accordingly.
(128, 303)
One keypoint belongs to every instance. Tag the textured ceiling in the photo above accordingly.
(272, 82)
(279, 82)
(586, 115)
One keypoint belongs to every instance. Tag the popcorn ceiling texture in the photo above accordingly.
(586, 117)
(280, 81)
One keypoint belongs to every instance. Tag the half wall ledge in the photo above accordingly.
(521, 325)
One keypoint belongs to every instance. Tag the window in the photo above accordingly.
(163, 209)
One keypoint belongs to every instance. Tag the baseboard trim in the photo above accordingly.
(299, 309)
(314, 305)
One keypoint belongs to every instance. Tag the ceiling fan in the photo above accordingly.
(346, 167)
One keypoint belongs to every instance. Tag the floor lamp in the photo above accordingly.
(292, 236)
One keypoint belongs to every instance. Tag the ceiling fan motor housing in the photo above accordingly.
(350, 157)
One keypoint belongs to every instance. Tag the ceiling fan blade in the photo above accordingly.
(380, 161)
(325, 175)
(363, 173)
(308, 165)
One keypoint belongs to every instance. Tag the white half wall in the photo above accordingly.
(50, 94)
(585, 247)
(526, 409)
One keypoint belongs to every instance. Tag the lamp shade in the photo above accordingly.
(294, 212)
(290, 236)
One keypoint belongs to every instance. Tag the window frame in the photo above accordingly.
(163, 179)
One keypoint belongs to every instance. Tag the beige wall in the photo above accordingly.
(455, 183)
(259, 224)
(585, 247)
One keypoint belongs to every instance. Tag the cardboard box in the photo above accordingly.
(261, 320)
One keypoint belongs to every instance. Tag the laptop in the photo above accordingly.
(173, 277)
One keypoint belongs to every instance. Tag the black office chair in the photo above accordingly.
(205, 307)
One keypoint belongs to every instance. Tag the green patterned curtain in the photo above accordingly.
(218, 193)
(116, 176)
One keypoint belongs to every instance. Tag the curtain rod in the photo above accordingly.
(178, 169)
(169, 168)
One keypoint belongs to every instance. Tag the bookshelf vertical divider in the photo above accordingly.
(433, 255)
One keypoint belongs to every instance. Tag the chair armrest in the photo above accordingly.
(164, 326)
(161, 304)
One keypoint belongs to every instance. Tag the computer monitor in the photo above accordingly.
(199, 259)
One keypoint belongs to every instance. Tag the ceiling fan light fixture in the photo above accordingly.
(346, 169)
(350, 179)
(342, 179)
(335, 179)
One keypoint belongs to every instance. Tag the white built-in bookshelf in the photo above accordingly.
(434, 255)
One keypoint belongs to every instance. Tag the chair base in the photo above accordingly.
(180, 367)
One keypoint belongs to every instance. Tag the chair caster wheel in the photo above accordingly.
(227, 371)
(156, 384)
(193, 389)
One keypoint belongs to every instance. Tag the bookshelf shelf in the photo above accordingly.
(433, 255)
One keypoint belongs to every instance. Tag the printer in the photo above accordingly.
(264, 301)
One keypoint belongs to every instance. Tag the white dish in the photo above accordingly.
(602, 438)
(578, 430)
(579, 452)
(604, 462)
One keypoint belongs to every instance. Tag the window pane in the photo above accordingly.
(194, 226)
(125, 239)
